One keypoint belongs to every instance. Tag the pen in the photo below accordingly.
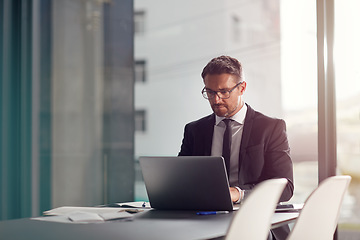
(212, 212)
(132, 210)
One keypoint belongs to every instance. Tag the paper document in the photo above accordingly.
(87, 214)
(135, 204)
(85, 217)
(67, 210)
(128, 205)
(94, 217)
(115, 215)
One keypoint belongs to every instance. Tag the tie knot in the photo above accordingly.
(227, 121)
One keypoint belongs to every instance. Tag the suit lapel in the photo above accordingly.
(247, 128)
(208, 134)
(245, 139)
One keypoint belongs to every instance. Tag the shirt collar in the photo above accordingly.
(238, 117)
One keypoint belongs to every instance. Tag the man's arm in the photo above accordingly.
(275, 154)
(278, 162)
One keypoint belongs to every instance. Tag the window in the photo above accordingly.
(140, 120)
(179, 49)
(140, 71)
(347, 86)
(139, 22)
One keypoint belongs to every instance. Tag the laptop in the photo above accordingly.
(196, 183)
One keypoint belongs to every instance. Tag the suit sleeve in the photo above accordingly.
(187, 143)
(276, 160)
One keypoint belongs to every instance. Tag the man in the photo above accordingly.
(258, 144)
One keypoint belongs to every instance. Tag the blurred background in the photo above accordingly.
(102, 82)
(276, 42)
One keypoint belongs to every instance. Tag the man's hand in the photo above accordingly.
(235, 195)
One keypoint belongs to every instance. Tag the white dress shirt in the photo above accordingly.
(217, 142)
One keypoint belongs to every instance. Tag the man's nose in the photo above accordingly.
(217, 99)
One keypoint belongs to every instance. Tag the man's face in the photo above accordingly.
(222, 82)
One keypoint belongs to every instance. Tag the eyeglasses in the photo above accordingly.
(223, 94)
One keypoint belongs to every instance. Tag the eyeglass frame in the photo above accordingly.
(204, 90)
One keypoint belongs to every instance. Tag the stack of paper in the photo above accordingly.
(87, 214)
(88, 217)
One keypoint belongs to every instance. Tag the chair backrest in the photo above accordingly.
(253, 219)
(320, 214)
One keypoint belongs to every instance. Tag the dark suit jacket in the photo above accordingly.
(264, 149)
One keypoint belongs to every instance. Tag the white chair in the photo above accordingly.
(253, 219)
(320, 214)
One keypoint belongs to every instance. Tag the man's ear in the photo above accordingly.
(242, 87)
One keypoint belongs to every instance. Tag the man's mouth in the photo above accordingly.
(219, 106)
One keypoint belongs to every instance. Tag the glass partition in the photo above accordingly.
(84, 108)
(276, 43)
(347, 76)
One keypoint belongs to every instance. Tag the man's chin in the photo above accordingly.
(220, 113)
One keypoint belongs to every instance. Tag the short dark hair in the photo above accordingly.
(223, 64)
